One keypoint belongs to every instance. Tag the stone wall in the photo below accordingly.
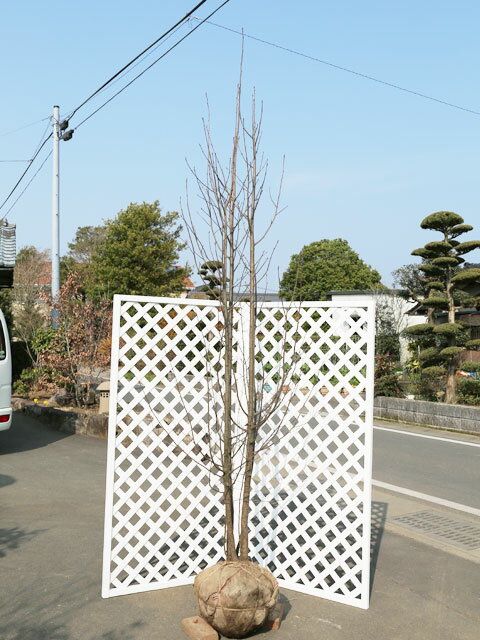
(68, 421)
(454, 417)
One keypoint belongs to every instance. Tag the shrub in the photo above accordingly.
(469, 391)
(386, 377)
(28, 381)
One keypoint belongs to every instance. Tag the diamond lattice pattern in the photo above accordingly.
(310, 520)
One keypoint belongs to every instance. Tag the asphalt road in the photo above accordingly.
(430, 465)
(51, 530)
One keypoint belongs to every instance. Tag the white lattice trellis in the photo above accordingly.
(311, 492)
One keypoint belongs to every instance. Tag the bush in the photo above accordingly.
(386, 377)
(469, 391)
(27, 382)
(424, 386)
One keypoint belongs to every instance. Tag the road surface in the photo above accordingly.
(51, 530)
(434, 463)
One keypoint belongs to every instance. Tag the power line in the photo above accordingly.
(25, 126)
(152, 64)
(42, 144)
(28, 184)
(38, 148)
(346, 69)
(115, 75)
(138, 62)
(47, 127)
(28, 160)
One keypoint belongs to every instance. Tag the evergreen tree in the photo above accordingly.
(211, 273)
(323, 266)
(139, 254)
(441, 344)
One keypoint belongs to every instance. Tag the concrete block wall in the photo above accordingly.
(454, 417)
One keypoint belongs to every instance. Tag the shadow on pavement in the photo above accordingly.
(12, 538)
(6, 480)
(379, 517)
(52, 631)
(26, 433)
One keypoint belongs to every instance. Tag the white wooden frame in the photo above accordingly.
(326, 477)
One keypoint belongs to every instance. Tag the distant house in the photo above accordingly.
(7, 253)
(188, 287)
(197, 292)
(393, 299)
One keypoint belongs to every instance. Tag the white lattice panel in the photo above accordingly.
(311, 493)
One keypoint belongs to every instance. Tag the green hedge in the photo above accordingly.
(469, 391)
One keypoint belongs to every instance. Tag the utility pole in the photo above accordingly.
(56, 204)
(59, 133)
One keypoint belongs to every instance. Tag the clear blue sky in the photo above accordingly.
(363, 161)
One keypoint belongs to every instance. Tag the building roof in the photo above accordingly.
(261, 296)
(8, 247)
(364, 292)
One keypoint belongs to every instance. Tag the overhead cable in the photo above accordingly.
(152, 64)
(346, 69)
(25, 126)
(28, 184)
(42, 144)
(115, 75)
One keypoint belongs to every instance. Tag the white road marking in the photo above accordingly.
(333, 624)
(423, 435)
(423, 496)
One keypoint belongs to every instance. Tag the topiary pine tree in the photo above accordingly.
(211, 273)
(440, 345)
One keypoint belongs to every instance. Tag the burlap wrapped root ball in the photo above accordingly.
(235, 598)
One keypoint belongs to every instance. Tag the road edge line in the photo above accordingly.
(427, 498)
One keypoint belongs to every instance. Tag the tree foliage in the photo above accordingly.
(79, 258)
(387, 328)
(86, 243)
(73, 353)
(28, 316)
(323, 266)
(139, 254)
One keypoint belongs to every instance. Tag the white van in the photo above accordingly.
(5, 376)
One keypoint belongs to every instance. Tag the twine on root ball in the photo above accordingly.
(236, 597)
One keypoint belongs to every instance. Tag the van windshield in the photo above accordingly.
(3, 348)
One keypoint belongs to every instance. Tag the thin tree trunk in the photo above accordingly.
(451, 385)
(229, 249)
(252, 405)
(231, 553)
